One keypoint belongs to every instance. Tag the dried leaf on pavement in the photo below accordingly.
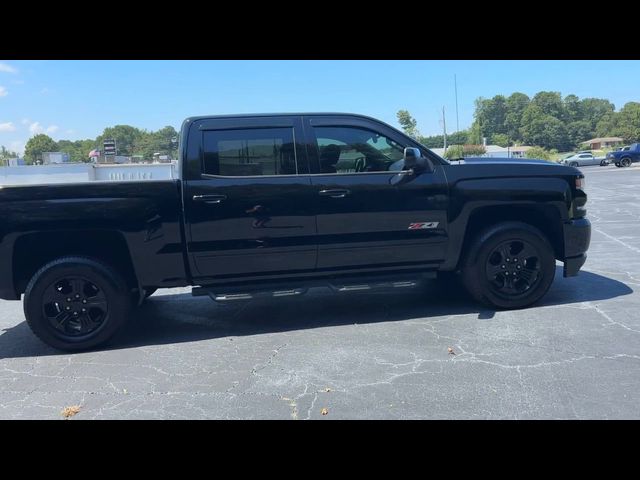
(70, 411)
(324, 411)
(450, 350)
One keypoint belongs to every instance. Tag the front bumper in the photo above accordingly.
(577, 237)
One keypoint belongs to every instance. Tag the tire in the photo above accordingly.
(603, 163)
(618, 164)
(574, 164)
(625, 162)
(76, 284)
(536, 259)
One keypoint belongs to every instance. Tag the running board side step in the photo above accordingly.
(338, 285)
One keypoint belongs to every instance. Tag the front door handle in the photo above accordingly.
(209, 198)
(337, 193)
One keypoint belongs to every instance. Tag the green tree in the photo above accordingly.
(126, 137)
(628, 122)
(475, 134)
(572, 108)
(579, 131)
(454, 152)
(408, 123)
(538, 153)
(473, 150)
(36, 145)
(516, 104)
(500, 139)
(437, 141)
(543, 130)
(6, 155)
(550, 103)
(595, 109)
(491, 115)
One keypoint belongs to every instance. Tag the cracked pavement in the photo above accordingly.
(383, 356)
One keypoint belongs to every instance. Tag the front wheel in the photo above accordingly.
(574, 164)
(603, 163)
(509, 265)
(76, 303)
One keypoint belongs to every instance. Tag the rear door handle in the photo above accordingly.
(209, 198)
(338, 193)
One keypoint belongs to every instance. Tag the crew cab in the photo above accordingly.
(625, 156)
(273, 204)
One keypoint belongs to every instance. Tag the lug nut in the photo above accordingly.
(68, 299)
(77, 295)
(504, 266)
(84, 309)
(75, 314)
(84, 301)
(518, 267)
(67, 308)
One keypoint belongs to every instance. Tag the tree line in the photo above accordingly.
(130, 141)
(547, 120)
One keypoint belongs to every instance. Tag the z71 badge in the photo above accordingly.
(423, 225)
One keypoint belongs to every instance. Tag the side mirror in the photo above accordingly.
(411, 158)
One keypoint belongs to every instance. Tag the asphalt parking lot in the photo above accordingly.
(382, 356)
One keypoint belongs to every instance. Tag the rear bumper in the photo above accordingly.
(577, 237)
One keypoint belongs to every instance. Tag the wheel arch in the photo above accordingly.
(33, 250)
(545, 218)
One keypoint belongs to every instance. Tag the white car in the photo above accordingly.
(583, 159)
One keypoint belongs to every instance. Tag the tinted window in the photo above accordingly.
(354, 150)
(249, 152)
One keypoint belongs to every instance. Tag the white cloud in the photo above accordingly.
(7, 127)
(17, 146)
(6, 68)
(3, 92)
(35, 128)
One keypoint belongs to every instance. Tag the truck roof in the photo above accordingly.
(281, 114)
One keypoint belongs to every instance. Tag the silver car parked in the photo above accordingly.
(583, 159)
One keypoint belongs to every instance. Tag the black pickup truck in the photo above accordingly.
(276, 204)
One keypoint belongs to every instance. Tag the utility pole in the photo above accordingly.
(455, 85)
(444, 127)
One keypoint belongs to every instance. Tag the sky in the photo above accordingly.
(77, 99)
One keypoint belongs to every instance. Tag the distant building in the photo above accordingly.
(496, 151)
(506, 152)
(604, 142)
(54, 157)
(15, 162)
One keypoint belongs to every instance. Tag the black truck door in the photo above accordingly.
(248, 208)
(363, 219)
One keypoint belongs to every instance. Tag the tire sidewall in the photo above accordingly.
(103, 277)
(625, 162)
(475, 277)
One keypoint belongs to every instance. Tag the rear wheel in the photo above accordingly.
(76, 303)
(510, 265)
(603, 163)
(625, 162)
